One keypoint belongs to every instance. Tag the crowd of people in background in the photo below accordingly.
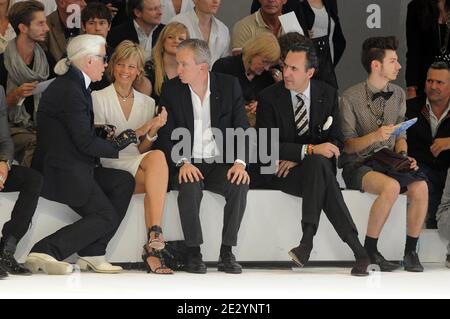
(131, 72)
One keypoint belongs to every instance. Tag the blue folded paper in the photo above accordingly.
(401, 127)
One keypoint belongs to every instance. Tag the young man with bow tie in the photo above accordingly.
(369, 113)
(309, 144)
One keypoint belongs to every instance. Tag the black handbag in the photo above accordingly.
(391, 160)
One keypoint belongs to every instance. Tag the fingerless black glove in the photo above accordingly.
(124, 139)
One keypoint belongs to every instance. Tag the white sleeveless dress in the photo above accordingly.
(107, 110)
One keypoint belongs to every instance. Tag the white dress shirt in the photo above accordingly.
(168, 10)
(306, 96)
(219, 38)
(434, 121)
(204, 143)
(145, 41)
(87, 79)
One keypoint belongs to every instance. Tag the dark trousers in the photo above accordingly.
(436, 183)
(315, 182)
(28, 183)
(101, 216)
(190, 196)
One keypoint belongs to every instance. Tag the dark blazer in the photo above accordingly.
(422, 39)
(420, 138)
(126, 31)
(275, 110)
(306, 16)
(233, 65)
(6, 143)
(227, 111)
(67, 148)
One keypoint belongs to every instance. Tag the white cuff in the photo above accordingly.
(302, 156)
(151, 139)
(240, 162)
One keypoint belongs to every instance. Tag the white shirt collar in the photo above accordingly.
(305, 94)
(87, 79)
(208, 92)
(141, 32)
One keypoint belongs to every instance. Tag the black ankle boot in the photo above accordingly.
(7, 261)
(3, 274)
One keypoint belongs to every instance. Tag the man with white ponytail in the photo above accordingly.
(67, 154)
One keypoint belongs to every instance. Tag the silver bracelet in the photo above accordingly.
(151, 139)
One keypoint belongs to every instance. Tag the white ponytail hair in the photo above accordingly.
(78, 48)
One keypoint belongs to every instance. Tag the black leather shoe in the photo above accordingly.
(412, 263)
(447, 261)
(194, 264)
(300, 254)
(385, 266)
(360, 267)
(7, 261)
(3, 274)
(227, 263)
(9, 264)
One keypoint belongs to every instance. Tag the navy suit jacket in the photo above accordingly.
(68, 149)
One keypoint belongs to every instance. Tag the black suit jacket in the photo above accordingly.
(126, 31)
(275, 110)
(420, 138)
(67, 147)
(227, 111)
(306, 16)
(422, 39)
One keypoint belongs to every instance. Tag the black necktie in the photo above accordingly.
(385, 95)
(301, 116)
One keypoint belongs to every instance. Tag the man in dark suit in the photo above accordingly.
(429, 139)
(67, 154)
(14, 178)
(306, 114)
(143, 26)
(205, 104)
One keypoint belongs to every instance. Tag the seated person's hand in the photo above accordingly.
(439, 145)
(284, 167)
(413, 162)
(124, 139)
(251, 106)
(26, 89)
(189, 173)
(3, 174)
(326, 149)
(105, 131)
(384, 132)
(112, 9)
(237, 174)
(160, 120)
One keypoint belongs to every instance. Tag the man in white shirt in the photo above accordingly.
(203, 25)
(204, 103)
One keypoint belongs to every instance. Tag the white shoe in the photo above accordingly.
(98, 264)
(48, 264)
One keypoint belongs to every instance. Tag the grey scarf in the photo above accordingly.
(19, 73)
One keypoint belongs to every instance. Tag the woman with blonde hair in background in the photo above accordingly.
(163, 66)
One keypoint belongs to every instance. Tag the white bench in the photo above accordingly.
(270, 228)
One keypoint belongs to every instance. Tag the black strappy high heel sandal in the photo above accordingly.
(156, 243)
(150, 252)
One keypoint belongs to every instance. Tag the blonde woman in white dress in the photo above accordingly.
(125, 108)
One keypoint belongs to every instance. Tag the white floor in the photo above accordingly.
(310, 282)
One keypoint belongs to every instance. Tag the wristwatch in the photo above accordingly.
(403, 153)
(181, 162)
